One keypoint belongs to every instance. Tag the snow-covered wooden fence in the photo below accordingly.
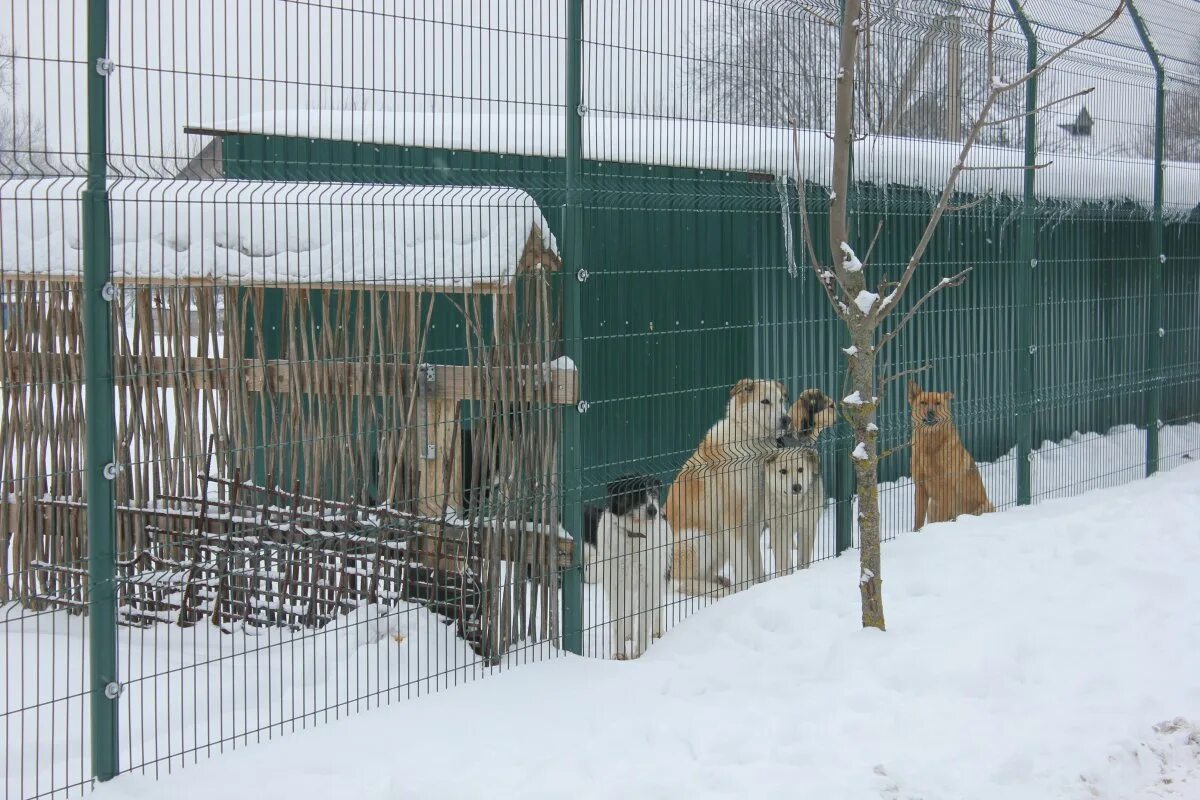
(289, 440)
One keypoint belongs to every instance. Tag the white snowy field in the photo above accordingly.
(1048, 652)
(195, 692)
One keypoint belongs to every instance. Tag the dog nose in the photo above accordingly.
(930, 417)
(797, 488)
(785, 421)
(651, 512)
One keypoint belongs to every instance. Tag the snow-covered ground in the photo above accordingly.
(1049, 652)
(195, 692)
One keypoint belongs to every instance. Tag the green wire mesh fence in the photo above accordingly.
(353, 351)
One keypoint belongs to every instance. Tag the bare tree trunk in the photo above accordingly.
(861, 372)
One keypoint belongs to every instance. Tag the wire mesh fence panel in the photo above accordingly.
(355, 351)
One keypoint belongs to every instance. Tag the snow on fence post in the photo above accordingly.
(572, 276)
(99, 410)
(1026, 264)
(1157, 257)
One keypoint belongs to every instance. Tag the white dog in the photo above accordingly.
(628, 548)
(795, 495)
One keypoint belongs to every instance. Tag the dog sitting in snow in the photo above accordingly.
(794, 491)
(947, 480)
(795, 496)
(715, 505)
(627, 550)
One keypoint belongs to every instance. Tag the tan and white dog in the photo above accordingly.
(715, 506)
(795, 496)
(794, 491)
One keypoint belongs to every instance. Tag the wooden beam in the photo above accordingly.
(358, 377)
(450, 382)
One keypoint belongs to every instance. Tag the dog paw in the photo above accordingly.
(620, 657)
(723, 582)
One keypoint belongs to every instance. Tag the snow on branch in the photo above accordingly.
(851, 264)
(866, 300)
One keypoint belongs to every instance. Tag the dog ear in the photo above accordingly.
(744, 385)
(948, 395)
(913, 391)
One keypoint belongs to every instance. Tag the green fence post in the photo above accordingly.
(572, 326)
(1026, 263)
(1158, 257)
(99, 466)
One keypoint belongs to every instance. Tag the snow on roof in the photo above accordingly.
(727, 146)
(443, 237)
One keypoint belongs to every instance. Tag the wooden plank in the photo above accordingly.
(28, 368)
(452, 382)
(440, 457)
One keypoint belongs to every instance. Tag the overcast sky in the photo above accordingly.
(202, 62)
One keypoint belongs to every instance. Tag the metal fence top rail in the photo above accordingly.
(274, 233)
(699, 144)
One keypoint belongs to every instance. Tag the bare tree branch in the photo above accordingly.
(871, 247)
(969, 204)
(1094, 33)
(893, 450)
(998, 88)
(1006, 166)
(1041, 108)
(954, 280)
(897, 376)
(817, 15)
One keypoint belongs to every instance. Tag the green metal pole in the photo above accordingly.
(1026, 264)
(1158, 257)
(99, 466)
(573, 278)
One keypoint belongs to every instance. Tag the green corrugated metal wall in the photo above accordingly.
(689, 290)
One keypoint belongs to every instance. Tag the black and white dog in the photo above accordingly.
(627, 549)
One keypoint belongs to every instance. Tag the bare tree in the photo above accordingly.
(1181, 115)
(22, 139)
(867, 315)
(923, 64)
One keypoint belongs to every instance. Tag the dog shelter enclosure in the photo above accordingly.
(289, 399)
(375, 337)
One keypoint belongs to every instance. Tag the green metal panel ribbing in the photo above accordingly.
(572, 490)
(1026, 263)
(99, 409)
(1157, 255)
